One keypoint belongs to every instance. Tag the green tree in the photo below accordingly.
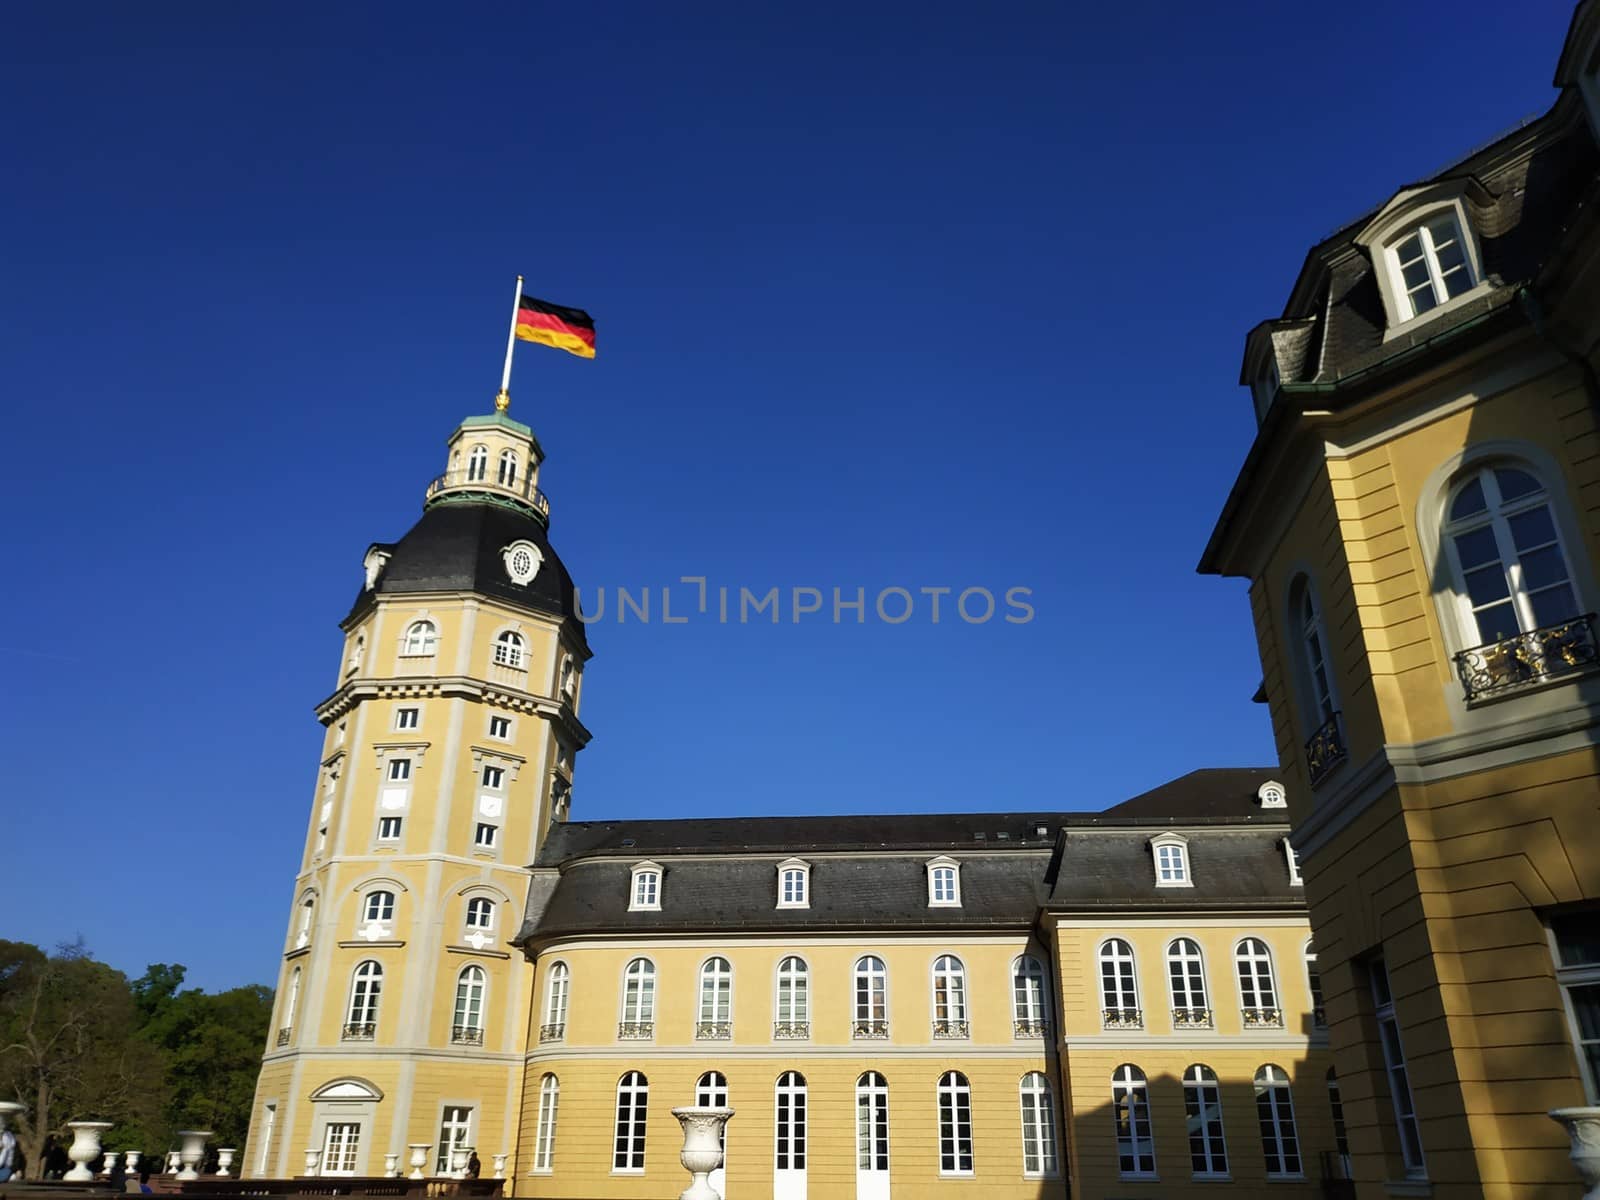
(211, 1044)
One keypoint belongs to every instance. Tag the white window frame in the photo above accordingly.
(1202, 1102)
(492, 777)
(421, 639)
(389, 828)
(872, 1124)
(793, 984)
(1319, 1012)
(1030, 993)
(486, 836)
(478, 464)
(1038, 1111)
(1576, 975)
(480, 913)
(1170, 852)
(1412, 1153)
(1280, 1134)
(471, 1010)
(644, 887)
(557, 996)
(499, 721)
(955, 1125)
(408, 717)
(1292, 859)
(1117, 952)
(1423, 229)
(1258, 985)
(1273, 794)
(937, 869)
(341, 1143)
(869, 980)
(366, 991)
(1404, 215)
(715, 991)
(455, 1132)
(1311, 651)
(638, 991)
(544, 1141)
(384, 916)
(399, 770)
(790, 1127)
(1189, 957)
(948, 989)
(798, 871)
(510, 650)
(506, 468)
(1130, 1086)
(629, 1137)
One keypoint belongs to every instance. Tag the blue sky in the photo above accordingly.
(887, 294)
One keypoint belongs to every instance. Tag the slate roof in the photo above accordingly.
(1230, 868)
(457, 547)
(1206, 793)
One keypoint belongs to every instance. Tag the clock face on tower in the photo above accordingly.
(522, 559)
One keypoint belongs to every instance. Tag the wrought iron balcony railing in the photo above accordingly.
(1529, 659)
(521, 490)
(635, 1031)
(949, 1031)
(791, 1031)
(1035, 1027)
(1262, 1018)
(1122, 1018)
(283, 1036)
(466, 1035)
(869, 1031)
(553, 1032)
(359, 1031)
(713, 1031)
(1191, 1018)
(1325, 750)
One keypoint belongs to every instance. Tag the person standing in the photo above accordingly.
(8, 1154)
(473, 1166)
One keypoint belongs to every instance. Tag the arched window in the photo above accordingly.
(949, 997)
(716, 1000)
(1130, 1109)
(291, 1000)
(378, 909)
(1029, 1017)
(633, 1098)
(1202, 1101)
(422, 639)
(871, 998)
(480, 913)
(302, 935)
(955, 1124)
(558, 986)
(507, 475)
(1318, 700)
(1119, 989)
(358, 653)
(1038, 1126)
(711, 1091)
(872, 1124)
(1341, 1140)
(1275, 1113)
(468, 1027)
(544, 1142)
(1186, 975)
(508, 649)
(792, 1017)
(638, 999)
(478, 463)
(366, 985)
(1319, 1014)
(790, 1141)
(1258, 994)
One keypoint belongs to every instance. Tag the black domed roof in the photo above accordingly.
(459, 546)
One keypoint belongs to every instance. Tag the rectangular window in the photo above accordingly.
(645, 893)
(407, 718)
(455, 1129)
(339, 1145)
(1394, 1058)
(794, 888)
(1170, 866)
(486, 835)
(494, 777)
(633, 1099)
(388, 829)
(500, 728)
(955, 1126)
(399, 770)
(1577, 945)
(269, 1118)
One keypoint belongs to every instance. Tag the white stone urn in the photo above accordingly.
(458, 1161)
(500, 1165)
(1583, 1128)
(192, 1151)
(85, 1148)
(173, 1165)
(391, 1166)
(110, 1162)
(313, 1157)
(225, 1160)
(130, 1161)
(419, 1158)
(702, 1148)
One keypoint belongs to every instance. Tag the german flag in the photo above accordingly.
(569, 329)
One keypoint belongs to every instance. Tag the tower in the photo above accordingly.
(450, 739)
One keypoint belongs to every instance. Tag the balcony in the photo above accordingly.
(1122, 1018)
(713, 1031)
(466, 1035)
(951, 1031)
(359, 1031)
(521, 494)
(869, 1031)
(635, 1031)
(1261, 1018)
(1528, 660)
(1191, 1018)
(553, 1032)
(1325, 750)
(1035, 1027)
(791, 1031)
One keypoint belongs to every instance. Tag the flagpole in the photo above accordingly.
(503, 400)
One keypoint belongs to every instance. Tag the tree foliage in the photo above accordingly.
(78, 1040)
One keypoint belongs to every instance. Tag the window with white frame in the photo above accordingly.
(407, 718)
(421, 640)
(1576, 939)
(1202, 1102)
(302, 935)
(291, 1000)
(366, 987)
(633, 1096)
(508, 650)
(716, 995)
(1038, 1126)
(789, 1142)
(944, 882)
(1319, 1014)
(794, 878)
(1280, 1143)
(1292, 861)
(872, 1123)
(455, 1132)
(480, 913)
(1119, 989)
(378, 908)
(955, 1124)
(1258, 992)
(1511, 572)
(507, 473)
(388, 829)
(1272, 795)
(492, 777)
(1394, 1059)
(471, 986)
(1171, 852)
(949, 997)
(557, 989)
(1316, 674)
(639, 992)
(485, 836)
(500, 728)
(478, 463)
(544, 1141)
(871, 979)
(1029, 1016)
(399, 770)
(1186, 978)
(341, 1142)
(1130, 1114)
(1429, 264)
(645, 889)
(792, 1011)
(269, 1118)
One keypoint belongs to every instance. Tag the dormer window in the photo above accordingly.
(1272, 795)
(794, 884)
(1431, 264)
(1424, 252)
(944, 883)
(1171, 853)
(645, 893)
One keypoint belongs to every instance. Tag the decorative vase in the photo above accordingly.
(85, 1148)
(458, 1161)
(500, 1165)
(313, 1157)
(419, 1158)
(225, 1160)
(391, 1166)
(173, 1165)
(702, 1148)
(130, 1162)
(110, 1162)
(192, 1151)
(1583, 1128)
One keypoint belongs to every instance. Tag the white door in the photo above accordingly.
(789, 1161)
(872, 1137)
(712, 1092)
